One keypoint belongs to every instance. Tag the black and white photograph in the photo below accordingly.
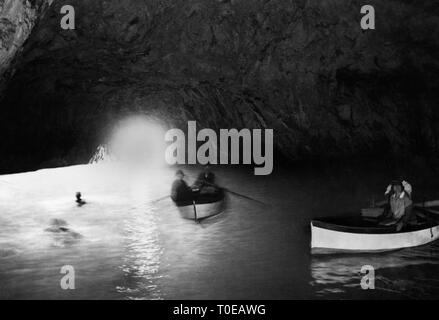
(206, 150)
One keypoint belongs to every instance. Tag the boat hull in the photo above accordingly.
(203, 211)
(204, 206)
(363, 234)
(333, 240)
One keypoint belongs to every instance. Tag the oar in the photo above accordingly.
(159, 199)
(429, 218)
(428, 215)
(244, 196)
(423, 206)
(237, 194)
(195, 211)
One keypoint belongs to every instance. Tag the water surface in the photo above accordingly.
(134, 248)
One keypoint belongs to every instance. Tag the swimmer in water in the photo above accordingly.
(79, 201)
(62, 235)
(58, 225)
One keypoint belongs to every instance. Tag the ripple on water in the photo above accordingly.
(410, 273)
(6, 253)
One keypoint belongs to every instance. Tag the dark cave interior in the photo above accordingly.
(303, 68)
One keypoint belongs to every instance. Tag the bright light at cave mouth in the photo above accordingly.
(138, 140)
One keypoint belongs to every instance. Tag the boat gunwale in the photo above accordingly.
(333, 226)
(364, 230)
(324, 250)
(220, 196)
(315, 223)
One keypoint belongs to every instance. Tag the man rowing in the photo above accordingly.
(203, 189)
(399, 208)
(205, 178)
(180, 190)
(205, 182)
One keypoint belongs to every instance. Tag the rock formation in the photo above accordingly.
(304, 68)
(17, 19)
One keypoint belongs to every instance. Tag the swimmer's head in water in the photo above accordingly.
(78, 195)
(179, 174)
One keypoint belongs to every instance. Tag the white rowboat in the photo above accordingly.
(356, 234)
(203, 207)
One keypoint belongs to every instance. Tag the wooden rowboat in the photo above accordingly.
(203, 206)
(359, 234)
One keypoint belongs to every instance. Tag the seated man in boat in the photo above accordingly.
(205, 182)
(400, 203)
(180, 190)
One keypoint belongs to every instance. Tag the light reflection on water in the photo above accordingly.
(115, 256)
(132, 248)
(141, 260)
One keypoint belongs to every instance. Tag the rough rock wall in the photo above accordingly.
(17, 19)
(302, 67)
